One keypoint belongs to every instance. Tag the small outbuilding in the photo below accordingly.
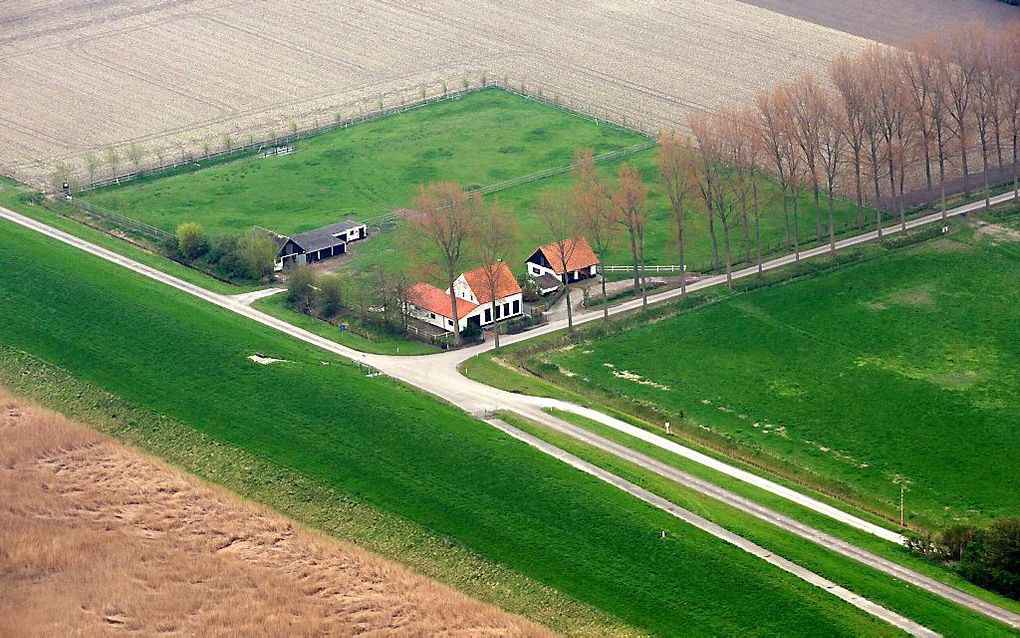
(545, 266)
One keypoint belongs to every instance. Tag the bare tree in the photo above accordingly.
(113, 161)
(773, 112)
(445, 218)
(91, 167)
(675, 154)
(806, 98)
(703, 127)
(749, 126)
(831, 127)
(1011, 61)
(961, 59)
(596, 214)
(497, 235)
(844, 76)
(927, 48)
(561, 223)
(987, 96)
(629, 201)
(729, 155)
(920, 77)
(135, 155)
(160, 154)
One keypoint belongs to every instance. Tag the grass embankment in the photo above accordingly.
(901, 366)
(13, 196)
(360, 336)
(928, 609)
(556, 545)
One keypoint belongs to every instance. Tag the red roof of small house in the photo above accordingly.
(478, 281)
(433, 299)
(579, 255)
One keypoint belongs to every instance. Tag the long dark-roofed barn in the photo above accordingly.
(313, 245)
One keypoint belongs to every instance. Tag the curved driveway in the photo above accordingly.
(438, 375)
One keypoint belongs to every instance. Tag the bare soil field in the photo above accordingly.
(96, 538)
(179, 74)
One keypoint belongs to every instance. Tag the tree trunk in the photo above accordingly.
(796, 229)
(745, 224)
(715, 242)
(963, 160)
(860, 188)
(634, 257)
(456, 315)
(644, 279)
(757, 241)
(683, 265)
(942, 171)
(605, 299)
(984, 165)
(726, 248)
(832, 223)
(566, 294)
(874, 175)
(786, 218)
(927, 166)
(818, 212)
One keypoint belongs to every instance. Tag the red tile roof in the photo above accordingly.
(478, 281)
(433, 299)
(579, 255)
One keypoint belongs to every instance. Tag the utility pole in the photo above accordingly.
(902, 488)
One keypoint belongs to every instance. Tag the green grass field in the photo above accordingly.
(901, 367)
(373, 168)
(391, 450)
(369, 169)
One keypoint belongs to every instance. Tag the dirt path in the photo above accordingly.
(96, 538)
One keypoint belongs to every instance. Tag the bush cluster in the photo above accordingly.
(248, 257)
(986, 557)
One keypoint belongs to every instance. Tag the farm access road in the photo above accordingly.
(439, 375)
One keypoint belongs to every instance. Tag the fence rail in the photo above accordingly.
(118, 220)
(648, 268)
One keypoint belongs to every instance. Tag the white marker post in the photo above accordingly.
(667, 427)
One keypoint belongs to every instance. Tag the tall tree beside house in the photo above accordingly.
(629, 201)
(497, 234)
(594, 205)
(674, 159)
(445, 218)
(562, 225)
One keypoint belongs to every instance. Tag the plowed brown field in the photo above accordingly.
(173, 74)
(96, 538)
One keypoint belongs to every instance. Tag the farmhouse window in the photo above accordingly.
(517, 306)
(488, 315)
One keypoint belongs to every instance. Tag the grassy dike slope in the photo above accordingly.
(393, 449)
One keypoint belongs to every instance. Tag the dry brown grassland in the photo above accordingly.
(97, 538)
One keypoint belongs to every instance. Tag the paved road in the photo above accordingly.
(907, 625)
(438, 374)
